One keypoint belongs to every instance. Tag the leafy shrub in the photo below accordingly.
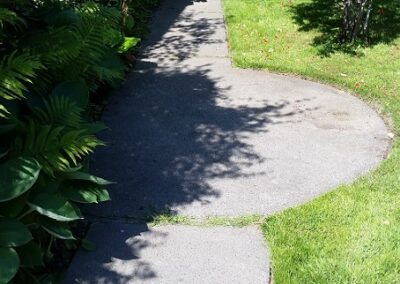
(54, 54)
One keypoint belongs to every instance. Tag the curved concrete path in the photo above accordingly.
(195, 136)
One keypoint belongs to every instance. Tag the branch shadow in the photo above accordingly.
(183, 39)
(169, 132)
(325, 18)
(170, 135)
(173, 128)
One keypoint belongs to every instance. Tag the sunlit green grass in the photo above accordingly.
(210, 221)
(351, 235)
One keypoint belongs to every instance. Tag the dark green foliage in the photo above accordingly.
(54, 56)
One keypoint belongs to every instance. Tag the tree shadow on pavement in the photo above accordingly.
(184, 39)
(172, 128)
(117, 263)
(170, 135)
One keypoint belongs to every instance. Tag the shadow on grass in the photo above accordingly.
(325, 17)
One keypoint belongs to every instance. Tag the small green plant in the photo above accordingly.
(43, 179)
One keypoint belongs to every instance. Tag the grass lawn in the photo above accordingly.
(351, 235)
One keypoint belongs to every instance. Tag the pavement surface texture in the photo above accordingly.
(194, 136)
(172, 254)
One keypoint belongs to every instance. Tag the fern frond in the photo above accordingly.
(76, 144)
(77, 50)
(59, 110)
(43, 81)
(110, 15)
(54, 147)
(16, 72)
(111, 75)
(4, 113)
(96, 27)
(9, 17)
(54, 45)
(92, 40)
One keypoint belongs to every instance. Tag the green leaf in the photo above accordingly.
(5, 128)
(87, 177)
(9, 111)
(94, 127)
(16, 73)
(13, 233)
(88, 245)
(30, 255)
(129, 43)
(73, 169)
(13, 208)
(130, 22)
(11, 18)
(74, 90)
(84, 192)
(59, 111)
(54, 207)
(65, 17)
(33, 101)
(11, 107)
(9, 264)
(110, 68)
(112, 60)
(25, 276)
(4, 153)
(17, 176)
(56, 229)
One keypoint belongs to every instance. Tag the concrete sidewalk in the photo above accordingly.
(194, 136)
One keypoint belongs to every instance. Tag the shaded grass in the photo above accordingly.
(325, 17)
(351, 235)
